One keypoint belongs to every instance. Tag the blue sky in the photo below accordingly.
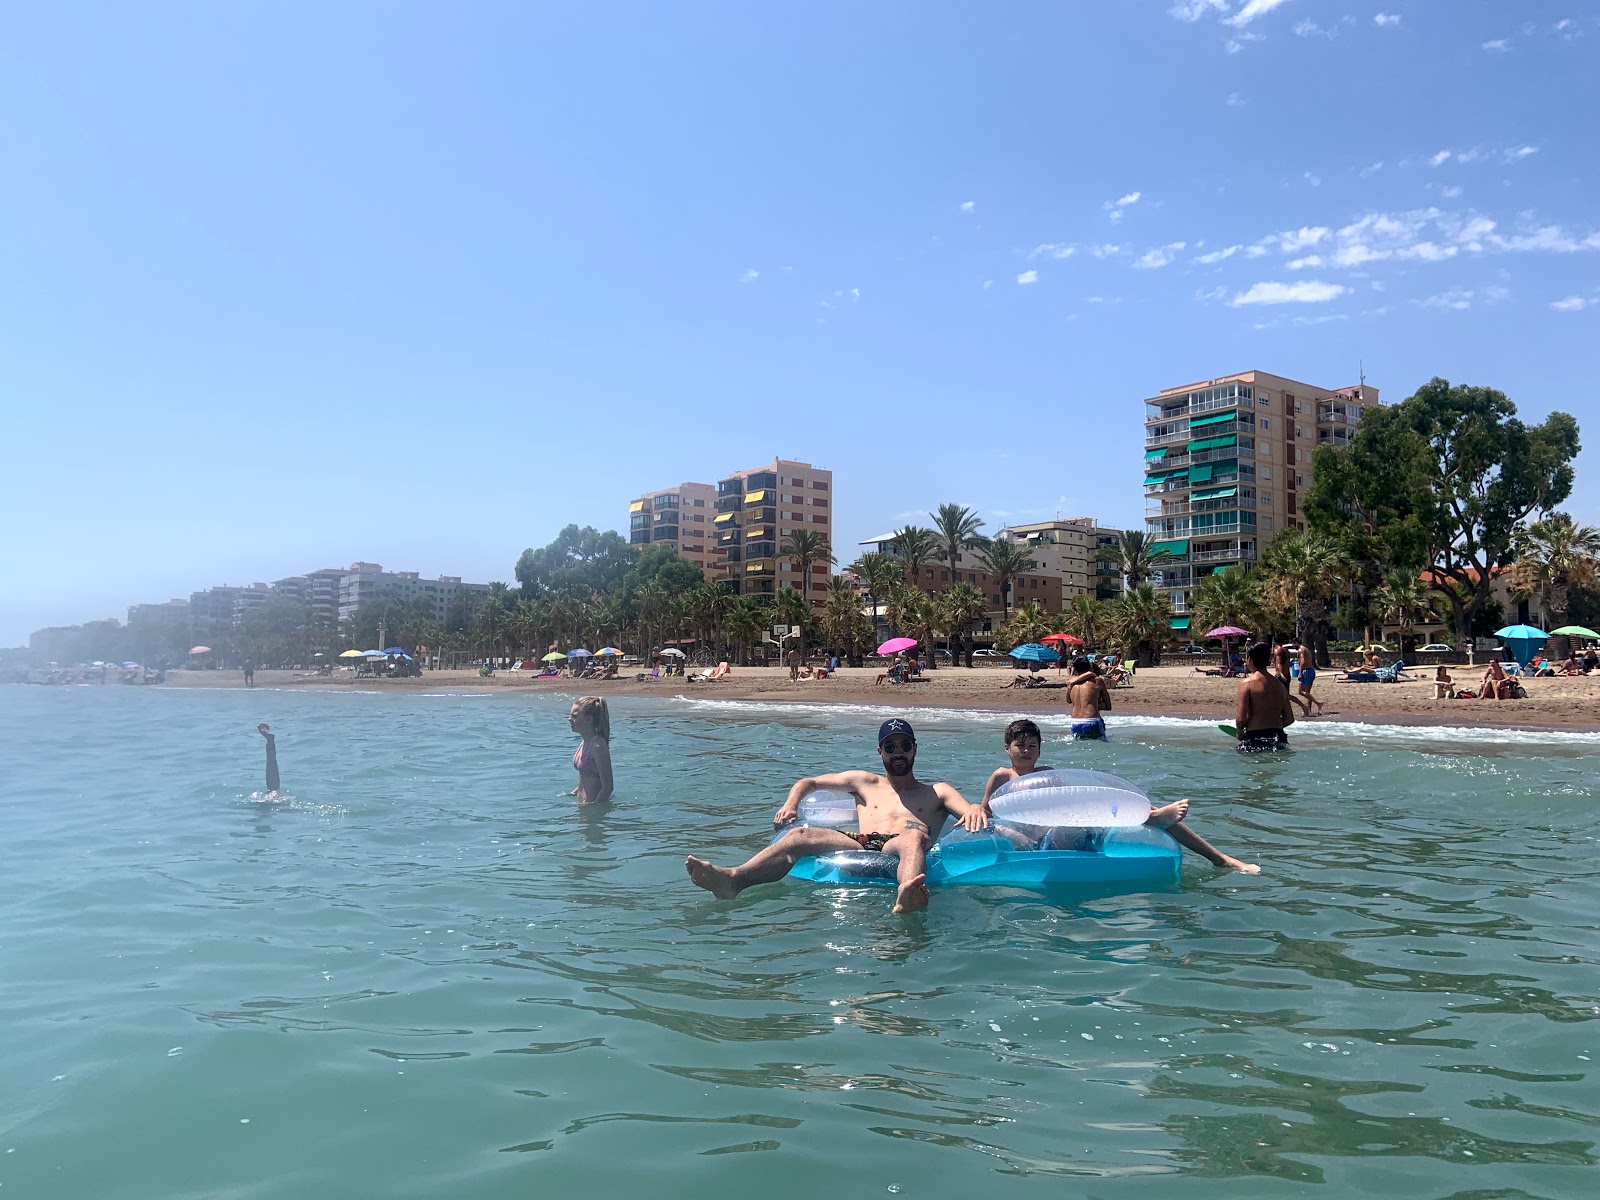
(282, 287)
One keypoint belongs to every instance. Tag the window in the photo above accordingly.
(1299, 481)
(819, 520)
(818, 485)
(1266, 473)
(818, 503)
(1266, 424)
(798, 482)
(1263, 400)
(1266, 498)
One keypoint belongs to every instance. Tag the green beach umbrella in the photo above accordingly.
(554, 656)
(1577, 631)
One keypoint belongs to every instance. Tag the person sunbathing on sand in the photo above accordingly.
(1022, 743)
(896, 815)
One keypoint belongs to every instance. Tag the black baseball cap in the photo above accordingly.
(893, 726)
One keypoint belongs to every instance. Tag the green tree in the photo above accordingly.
(1444, 480)
(916, 547)
(956, 529)
(1404, 599)
(1139, 622)
(580, 562)
(1552, 556)
(1028, 624)
(1231, 597)
(745, 619)
(1135, 554)
(847, 627)
(964, 607)
(878, 572)
(806, 547)
(1005, 561)
(790, 608)
(1083, 618)
(1307, 569)
(660, 565)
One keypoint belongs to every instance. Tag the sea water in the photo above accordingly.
(424, 973)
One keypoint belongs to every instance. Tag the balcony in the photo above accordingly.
(1202, 406)
(1238, 552)
(1221, 527)
(760, 566)
(664, 533)
(639, 537)
(1172, 578)
(1152, 441)
(1338, 416)
(1221, 453)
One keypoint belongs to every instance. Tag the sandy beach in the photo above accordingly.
(1567, 704)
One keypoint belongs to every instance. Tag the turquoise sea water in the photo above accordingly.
(427, 975)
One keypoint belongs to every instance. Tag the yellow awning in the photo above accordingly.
(724, 518)
(756, 497)
(636, 506)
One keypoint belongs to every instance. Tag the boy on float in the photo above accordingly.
(1023, 742)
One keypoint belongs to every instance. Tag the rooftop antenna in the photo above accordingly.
(1363, 369)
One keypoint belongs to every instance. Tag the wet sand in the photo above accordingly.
(1177, 691)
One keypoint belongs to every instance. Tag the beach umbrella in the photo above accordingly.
(672, 652)
(353, 654)
(373, 654)
(1034, 652)
(554, 656)
(1576, 631)
(398, 650)
(608, 650)
(580, 652)
(1065, 639)
(1228, 631)
(1522, 640)
(895, 645)
(130, 664)
(199, 649)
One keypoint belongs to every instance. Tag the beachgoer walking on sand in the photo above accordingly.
(1022, 746)
(896, 814)
(591, 720)
(1285, 675)
(1262, 710)
(249, 673)
(272, 757)
(1308, 679)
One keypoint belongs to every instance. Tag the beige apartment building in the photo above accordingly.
(680, 517)
(1081, 551)
(733, 530)
(1226, 462)
(1043, 587)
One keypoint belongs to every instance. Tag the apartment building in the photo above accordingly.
(318, 591)
(757, 510)
(367, 581)
(1043, 587)
(174, 614)
(680, 517)
(1079, 550)
(1226, 462)
(216, 612)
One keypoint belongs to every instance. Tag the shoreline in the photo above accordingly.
(1553, 705)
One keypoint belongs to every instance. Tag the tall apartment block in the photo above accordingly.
(680, 517)
(367, 581)
(1080, 551)
(1226, 462)
(757, 510)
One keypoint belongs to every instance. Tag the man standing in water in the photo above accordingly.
(897, 815)
(272, 757)
(1262, 710)
(1089, 697)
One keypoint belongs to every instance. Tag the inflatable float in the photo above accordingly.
(1049, 828)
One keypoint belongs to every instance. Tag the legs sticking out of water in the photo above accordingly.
(272, 756)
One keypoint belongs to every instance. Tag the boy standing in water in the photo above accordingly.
(1023, 742)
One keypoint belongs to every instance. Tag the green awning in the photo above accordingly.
(1215, 494)
(1201, 474)
(1214, 419)
(1175, 546)
(1158, 452)
(1163, 476)
(1213, 443)
(1180, 623)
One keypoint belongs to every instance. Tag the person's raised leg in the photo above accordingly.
(272, 756)
(770, 864)
(912, 849)
(1190, 840)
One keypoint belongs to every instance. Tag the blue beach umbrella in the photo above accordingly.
(1034, 652)
(1523, 640)
(579, 653)
(398, 650)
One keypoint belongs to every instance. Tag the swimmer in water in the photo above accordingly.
(591, 720)
(272, 757)
(895, 813)
(1022, 743)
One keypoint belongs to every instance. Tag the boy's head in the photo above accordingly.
(1022, 744)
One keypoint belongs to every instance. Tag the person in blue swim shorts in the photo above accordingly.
(1090, 698)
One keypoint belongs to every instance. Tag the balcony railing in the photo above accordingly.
(1153, 440)
(1164, 509)
(1235, 553)
(1220, 527)
(1222, 452)
(1212, 405)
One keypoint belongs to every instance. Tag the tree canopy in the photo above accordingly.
(580, 562)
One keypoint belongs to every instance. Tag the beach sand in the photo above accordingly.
(1566, 704)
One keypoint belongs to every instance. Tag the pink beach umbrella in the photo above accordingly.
(895, 645)
(1228, 631)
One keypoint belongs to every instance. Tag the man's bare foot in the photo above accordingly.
(912, 896)
(1169, 814)
(1244, 868)
(716, 880)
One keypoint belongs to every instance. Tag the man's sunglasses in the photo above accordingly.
(898, 745)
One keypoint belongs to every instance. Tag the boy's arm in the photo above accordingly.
(971, 816)
(1001, 775)
(842, 781)
(1241, 709)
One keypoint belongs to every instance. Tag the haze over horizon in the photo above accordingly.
(285, 290)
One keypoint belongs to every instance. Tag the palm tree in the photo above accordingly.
(790, 608)
(1402, 599)
(1135, 553)
(897, 606)
(806, 547)
(843, 620)
(956, 528)
(1028, 624)
(1140, 622)
(924, 618)
(1082, 618)
(916, 546)
(1553, 555)
(1306, 568)
(963, 605)
(1231, 597)
(1005, 561)
(878, 572)
(744, 621)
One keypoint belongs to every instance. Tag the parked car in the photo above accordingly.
(1191, 648)
(987, 654)
(1435, 648)
(941, 654)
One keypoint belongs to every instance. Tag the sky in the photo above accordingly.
(285, 287)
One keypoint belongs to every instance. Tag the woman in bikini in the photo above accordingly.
(591, 721)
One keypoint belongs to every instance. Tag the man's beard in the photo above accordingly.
(898, 766)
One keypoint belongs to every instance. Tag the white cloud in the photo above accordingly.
(1439, 159)
(1107, 250)
(1571, 304)
(1251, 10)
(1053, 250)
(1028, 277)
(987, 284)
(1518, 153)
(1115, 207)
(1427, 252)
(1217, 256)
(1300, 264)
(1193, 10)
(1356, 254)
(1235, 100)
(1451, 192)
(1313, 180)
(1305, 292)
(1498, 46)
(750, 275)
(1476, 154)
(1296, 239)
(1369, 171)
(1386, 20)
(1216, 293)
(968, 205)
(1159, 257)
(1237, 43)
(1456, 299)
